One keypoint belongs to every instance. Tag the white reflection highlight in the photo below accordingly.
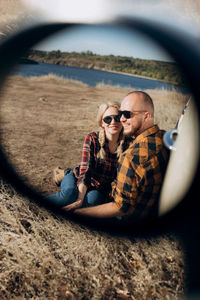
(71, 10)
(179, 13)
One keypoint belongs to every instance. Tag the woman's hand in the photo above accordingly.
(82, 191)
(73, 206)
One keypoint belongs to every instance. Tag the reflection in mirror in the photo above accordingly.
(49, 103)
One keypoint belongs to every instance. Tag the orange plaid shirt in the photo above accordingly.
(140, 174)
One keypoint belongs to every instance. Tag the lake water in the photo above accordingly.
(91, 77)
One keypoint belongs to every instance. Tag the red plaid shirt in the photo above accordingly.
(94, 172)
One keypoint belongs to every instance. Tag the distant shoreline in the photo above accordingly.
(34, 62)
(142, 68)
(28, 61)
(135, 75)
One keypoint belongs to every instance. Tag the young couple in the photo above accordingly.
(122, 165)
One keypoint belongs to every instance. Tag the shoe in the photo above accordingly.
(58, 175)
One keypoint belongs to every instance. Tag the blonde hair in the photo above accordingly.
(102, 136)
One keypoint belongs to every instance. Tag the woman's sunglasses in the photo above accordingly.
(109, 119)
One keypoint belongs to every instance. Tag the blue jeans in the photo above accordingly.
(69, 194)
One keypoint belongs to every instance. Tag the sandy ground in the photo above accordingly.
(44, 121)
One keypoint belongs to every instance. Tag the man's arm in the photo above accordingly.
(107, 210)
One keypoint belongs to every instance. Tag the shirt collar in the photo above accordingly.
(146, 133)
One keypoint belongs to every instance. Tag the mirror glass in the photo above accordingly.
(49, 103)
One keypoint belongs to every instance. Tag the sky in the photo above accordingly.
(114, 40)
(105, 40)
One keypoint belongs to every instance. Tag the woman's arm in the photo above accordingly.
(85, 170)
(79, 202)
(82, 191)
(87, 163)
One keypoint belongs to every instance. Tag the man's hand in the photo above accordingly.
(73, 206)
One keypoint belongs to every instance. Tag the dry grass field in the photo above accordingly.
(47, 256)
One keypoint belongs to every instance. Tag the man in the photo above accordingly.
(141, 167)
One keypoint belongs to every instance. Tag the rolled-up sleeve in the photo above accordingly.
(87, 161)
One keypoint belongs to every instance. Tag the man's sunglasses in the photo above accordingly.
(128, 114)
(109, 119)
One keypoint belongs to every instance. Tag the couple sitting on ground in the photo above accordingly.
(122, 166)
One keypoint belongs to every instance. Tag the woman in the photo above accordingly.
(90, 183)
